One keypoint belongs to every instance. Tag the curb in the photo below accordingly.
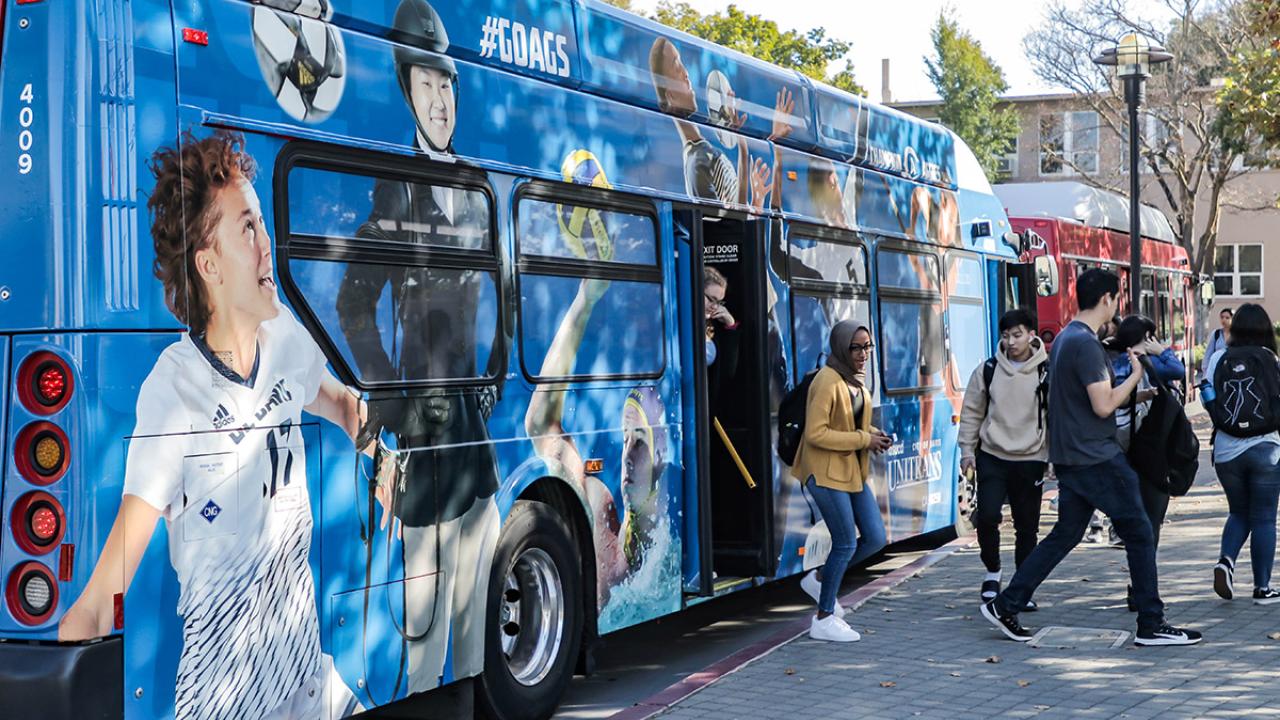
(679, 691)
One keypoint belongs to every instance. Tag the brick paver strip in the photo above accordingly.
(926, 652)
(673, 694)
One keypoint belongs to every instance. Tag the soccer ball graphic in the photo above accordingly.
(722, 104)
(301, 58)
(582, 168)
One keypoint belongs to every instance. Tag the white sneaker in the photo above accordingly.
(812, 587)
(833, 629)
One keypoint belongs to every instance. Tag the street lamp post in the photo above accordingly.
(1133, 57)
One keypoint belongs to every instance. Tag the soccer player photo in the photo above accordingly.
(445, 496)
(217, 451)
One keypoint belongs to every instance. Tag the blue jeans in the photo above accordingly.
(842, 511)
(1112, 487)
(1252, 484)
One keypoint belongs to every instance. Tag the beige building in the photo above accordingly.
(1062, 139)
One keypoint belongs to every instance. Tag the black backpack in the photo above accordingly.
(1247, 387)
(1164, 452)
(1042, 390)
(791, 412)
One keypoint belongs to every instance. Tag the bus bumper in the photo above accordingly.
(62, 682)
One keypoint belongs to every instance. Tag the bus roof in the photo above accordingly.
(1080, 203)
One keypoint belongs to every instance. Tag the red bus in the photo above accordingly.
(1075, 227)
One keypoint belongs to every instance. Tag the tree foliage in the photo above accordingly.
(1249, 103)
(970, 84)
(809, 53)
(1191, 165)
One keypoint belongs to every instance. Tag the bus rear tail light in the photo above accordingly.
(32, 593)
(42, 453)
(38, 522)
(45, 383)
(66, 561)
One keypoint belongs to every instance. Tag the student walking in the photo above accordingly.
(833, 461)
(1217, 341)
(1091, 469)
(1004, 437)
(1246, 451)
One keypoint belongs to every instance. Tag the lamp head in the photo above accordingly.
(1133, 56)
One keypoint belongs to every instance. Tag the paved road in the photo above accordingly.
(640, 661)
(926, 653)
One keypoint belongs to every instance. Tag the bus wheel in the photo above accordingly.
(966, 501)
(534, 621)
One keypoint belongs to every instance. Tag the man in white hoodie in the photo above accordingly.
(1004, 436)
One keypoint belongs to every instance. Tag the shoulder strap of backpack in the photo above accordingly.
(988, 374)
(1042, 394)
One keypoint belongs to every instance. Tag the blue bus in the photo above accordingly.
(356, 349)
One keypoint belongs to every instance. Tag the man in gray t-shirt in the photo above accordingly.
(1092, 471)
(1077, 435)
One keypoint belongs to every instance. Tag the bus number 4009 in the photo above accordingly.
(26, 116)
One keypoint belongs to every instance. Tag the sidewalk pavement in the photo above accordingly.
(926, 652)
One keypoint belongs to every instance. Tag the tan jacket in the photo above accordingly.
(1010, 426)
(833, 451)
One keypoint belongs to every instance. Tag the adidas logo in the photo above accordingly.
(222, 418)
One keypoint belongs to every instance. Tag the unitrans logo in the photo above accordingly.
(526, 47)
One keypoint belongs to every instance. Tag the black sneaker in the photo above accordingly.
(1167, 635)
(1031, 606)
(1266, 596)
(990, 589)
(1008, 624)
(1224, 579)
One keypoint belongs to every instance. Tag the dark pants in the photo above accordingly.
(1111, 487)
(1020, 483)
(1156, 504)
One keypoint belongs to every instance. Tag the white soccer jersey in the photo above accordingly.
(223, 459)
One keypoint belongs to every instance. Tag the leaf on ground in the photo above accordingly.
(888, 684)
(993, 659)
(1085, 579)
(955, 674)
(1274, 635)
(1023, 683)
(887, 609)
(790, 671)
(868, 631)
(950, 606)
(966, 617)
(1040, 707)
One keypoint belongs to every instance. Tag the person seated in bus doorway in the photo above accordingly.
(218, 452)
(1004, 438)
(834, 463)
(1092, 471)
(622, 544)
(722, 329)
(1218, 340)
(447, 495)
(708, 172)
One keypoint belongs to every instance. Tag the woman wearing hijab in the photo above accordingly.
(833, 461)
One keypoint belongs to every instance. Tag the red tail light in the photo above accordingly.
(38, 522)
(42, 453)
(45, 383)
(32, 593)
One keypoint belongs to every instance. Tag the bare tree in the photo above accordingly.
(1190, 165)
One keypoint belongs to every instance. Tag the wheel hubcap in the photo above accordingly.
(531, 616)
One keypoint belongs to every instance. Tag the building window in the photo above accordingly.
(1069, 143)
(1238, 270)
(1155, 134)
(1007, 162)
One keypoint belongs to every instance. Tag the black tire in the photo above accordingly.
(516, 688)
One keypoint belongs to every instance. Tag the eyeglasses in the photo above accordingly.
(862, 348)
(712, 302)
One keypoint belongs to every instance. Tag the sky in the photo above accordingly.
(899, 30)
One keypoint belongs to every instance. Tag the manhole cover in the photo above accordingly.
(1071, 638)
